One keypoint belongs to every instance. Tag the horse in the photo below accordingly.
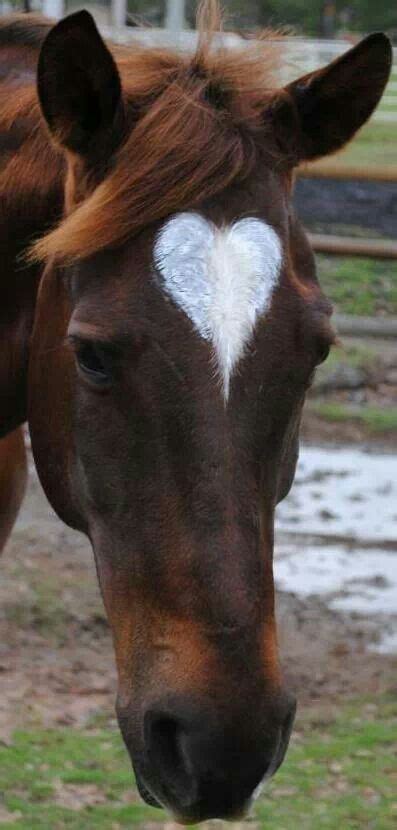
(161, 323)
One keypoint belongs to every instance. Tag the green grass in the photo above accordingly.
(43, 609)
(376, 419)
(44, 770)
(337, 775)
(388, 106)
(359, 286)
(358, 356)
(375, 145)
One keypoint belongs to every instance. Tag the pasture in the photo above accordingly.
(339, 773)
(374, 146)
(363, 287)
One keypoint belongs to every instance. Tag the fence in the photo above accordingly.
(301, 55)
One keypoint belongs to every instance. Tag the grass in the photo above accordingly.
(42, 608)
(356, 285)
(52, 779)
(376, 419)
(359, 286)
(337, 775)
(375, 145)
(49, 612)
(358, 356)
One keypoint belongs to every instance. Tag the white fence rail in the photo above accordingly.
(301, 55)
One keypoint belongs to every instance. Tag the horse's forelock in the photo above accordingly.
(195, 124)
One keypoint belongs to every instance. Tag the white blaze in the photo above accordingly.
(222, 278)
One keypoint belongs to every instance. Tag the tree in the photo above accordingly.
(374, 14)
(301, 15)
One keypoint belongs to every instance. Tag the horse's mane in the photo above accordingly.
(24, 30)
(195, 127)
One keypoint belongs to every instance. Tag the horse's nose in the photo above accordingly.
(204, 772)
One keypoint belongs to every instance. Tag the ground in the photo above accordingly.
(339, 774)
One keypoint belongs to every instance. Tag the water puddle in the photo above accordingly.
(343, 492)
(337, 535)
(351, 580)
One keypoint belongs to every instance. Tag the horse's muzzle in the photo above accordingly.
(200, 769)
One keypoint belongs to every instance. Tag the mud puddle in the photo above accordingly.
(337, 537)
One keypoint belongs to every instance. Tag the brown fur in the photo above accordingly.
(24, 30)
(13, 473)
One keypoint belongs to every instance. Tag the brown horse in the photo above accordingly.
(159, 338)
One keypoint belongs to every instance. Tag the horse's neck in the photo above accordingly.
(31, 175)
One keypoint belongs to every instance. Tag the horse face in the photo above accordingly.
(176, 366)
(185, 411)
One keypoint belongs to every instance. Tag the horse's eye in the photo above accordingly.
(326, 339)
(94, 363)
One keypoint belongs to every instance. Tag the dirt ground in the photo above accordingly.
(317, 430)
(56, 659)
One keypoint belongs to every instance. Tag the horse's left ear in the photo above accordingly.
(79, 87)
(322, 111)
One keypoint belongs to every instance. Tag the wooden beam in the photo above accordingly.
(353, 246)
(330, 170)
(350, 326)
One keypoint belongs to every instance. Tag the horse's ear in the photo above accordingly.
(79, 87)
(322, 111)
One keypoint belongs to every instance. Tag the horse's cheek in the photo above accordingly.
(50, 402)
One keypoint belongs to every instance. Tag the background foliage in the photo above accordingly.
(304, 15)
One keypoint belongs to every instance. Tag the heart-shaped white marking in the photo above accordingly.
(222, 278)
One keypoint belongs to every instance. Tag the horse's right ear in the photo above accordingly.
(319, 113)
(79, 87)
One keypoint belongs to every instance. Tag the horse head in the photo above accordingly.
(178, 326)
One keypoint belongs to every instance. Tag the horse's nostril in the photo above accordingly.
(203, 768)
(164, 740)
